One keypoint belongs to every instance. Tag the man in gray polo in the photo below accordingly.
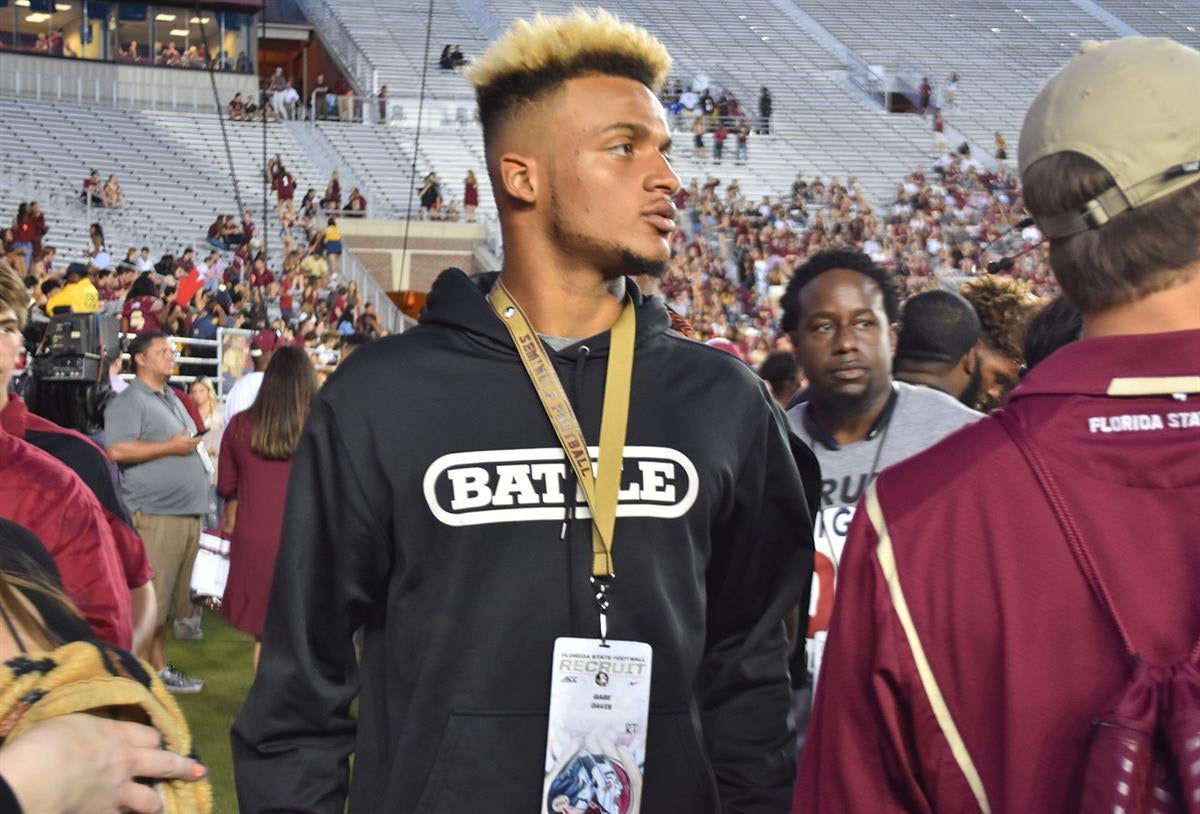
(164, 479)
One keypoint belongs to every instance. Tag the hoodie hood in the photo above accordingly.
(460, 302)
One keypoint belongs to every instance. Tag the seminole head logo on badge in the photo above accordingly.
(591, 783)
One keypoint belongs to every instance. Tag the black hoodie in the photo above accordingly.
(426, 504)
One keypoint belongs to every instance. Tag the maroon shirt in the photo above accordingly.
(260, 488)
(43, 495)
(1017, 648)
(142, 314)
(91, 463)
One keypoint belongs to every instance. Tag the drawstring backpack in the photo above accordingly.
(1144, 754)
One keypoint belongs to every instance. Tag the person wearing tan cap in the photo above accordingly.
(1017, 618)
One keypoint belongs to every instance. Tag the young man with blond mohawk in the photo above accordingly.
(432, 504)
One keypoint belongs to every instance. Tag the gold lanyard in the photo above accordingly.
(600, 489)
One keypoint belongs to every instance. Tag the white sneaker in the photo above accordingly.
(178, 681)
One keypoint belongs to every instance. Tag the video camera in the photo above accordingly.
(78, 348)
(69, 381)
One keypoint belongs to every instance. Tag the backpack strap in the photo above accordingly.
(1066, 521)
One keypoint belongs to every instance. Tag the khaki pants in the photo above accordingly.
(171, 545)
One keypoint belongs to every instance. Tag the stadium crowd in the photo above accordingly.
(883, 474)
(191, 294)
(733, 257)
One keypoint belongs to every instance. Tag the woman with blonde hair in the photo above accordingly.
(113, 196)
(332, 201)
(256, 459)
(205, 395)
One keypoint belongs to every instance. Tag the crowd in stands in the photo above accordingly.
(53, 43)
(106, 194)
(434, 205)
(281, 99)
(927, 100)
(946, 224)
(187, 294)
(23, 238)
(192, 56)
(710, 113)
(195, 55)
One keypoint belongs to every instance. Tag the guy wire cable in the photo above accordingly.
(417, 140)
(212, 77)
(266, 212)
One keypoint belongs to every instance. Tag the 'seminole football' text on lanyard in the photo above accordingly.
(601, 489)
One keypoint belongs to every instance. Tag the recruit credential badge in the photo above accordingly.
(599, 711)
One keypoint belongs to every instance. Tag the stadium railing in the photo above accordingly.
(867, 79)
(341, 43)
(111, 93)
(390, 317)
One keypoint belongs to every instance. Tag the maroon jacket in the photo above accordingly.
(968, 657)
(41, 494)
(91, 464)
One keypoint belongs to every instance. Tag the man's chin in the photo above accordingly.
(848, 397)
(635, 264)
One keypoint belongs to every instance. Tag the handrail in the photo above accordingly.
(867, 79)
(341, 42)
(390, 317)
(120, 94)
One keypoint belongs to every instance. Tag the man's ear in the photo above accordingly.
(519, 177)
(970, 360)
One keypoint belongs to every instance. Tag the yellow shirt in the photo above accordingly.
(81, 296)
(332, 233)
(314, 265)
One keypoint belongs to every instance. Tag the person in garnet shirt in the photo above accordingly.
(255, 461)
(285, 190)
(143, 307)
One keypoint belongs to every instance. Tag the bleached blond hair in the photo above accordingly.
(12, 292)
(534, 57)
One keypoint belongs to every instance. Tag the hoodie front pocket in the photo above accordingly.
(678, 775)
(487, 761)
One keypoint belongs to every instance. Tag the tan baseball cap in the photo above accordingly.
(1130, 105)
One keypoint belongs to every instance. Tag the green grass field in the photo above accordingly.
(224, 659)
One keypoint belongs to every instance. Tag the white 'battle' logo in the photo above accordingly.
(513, 485)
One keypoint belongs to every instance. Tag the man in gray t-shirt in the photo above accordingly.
(841, 311)
(914, 419)
(165, 476)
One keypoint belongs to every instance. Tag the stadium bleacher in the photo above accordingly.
(1003, 51)
(1177, 19)
(175, 170)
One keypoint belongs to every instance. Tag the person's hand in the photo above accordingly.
(95, 762)
(183, 444)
